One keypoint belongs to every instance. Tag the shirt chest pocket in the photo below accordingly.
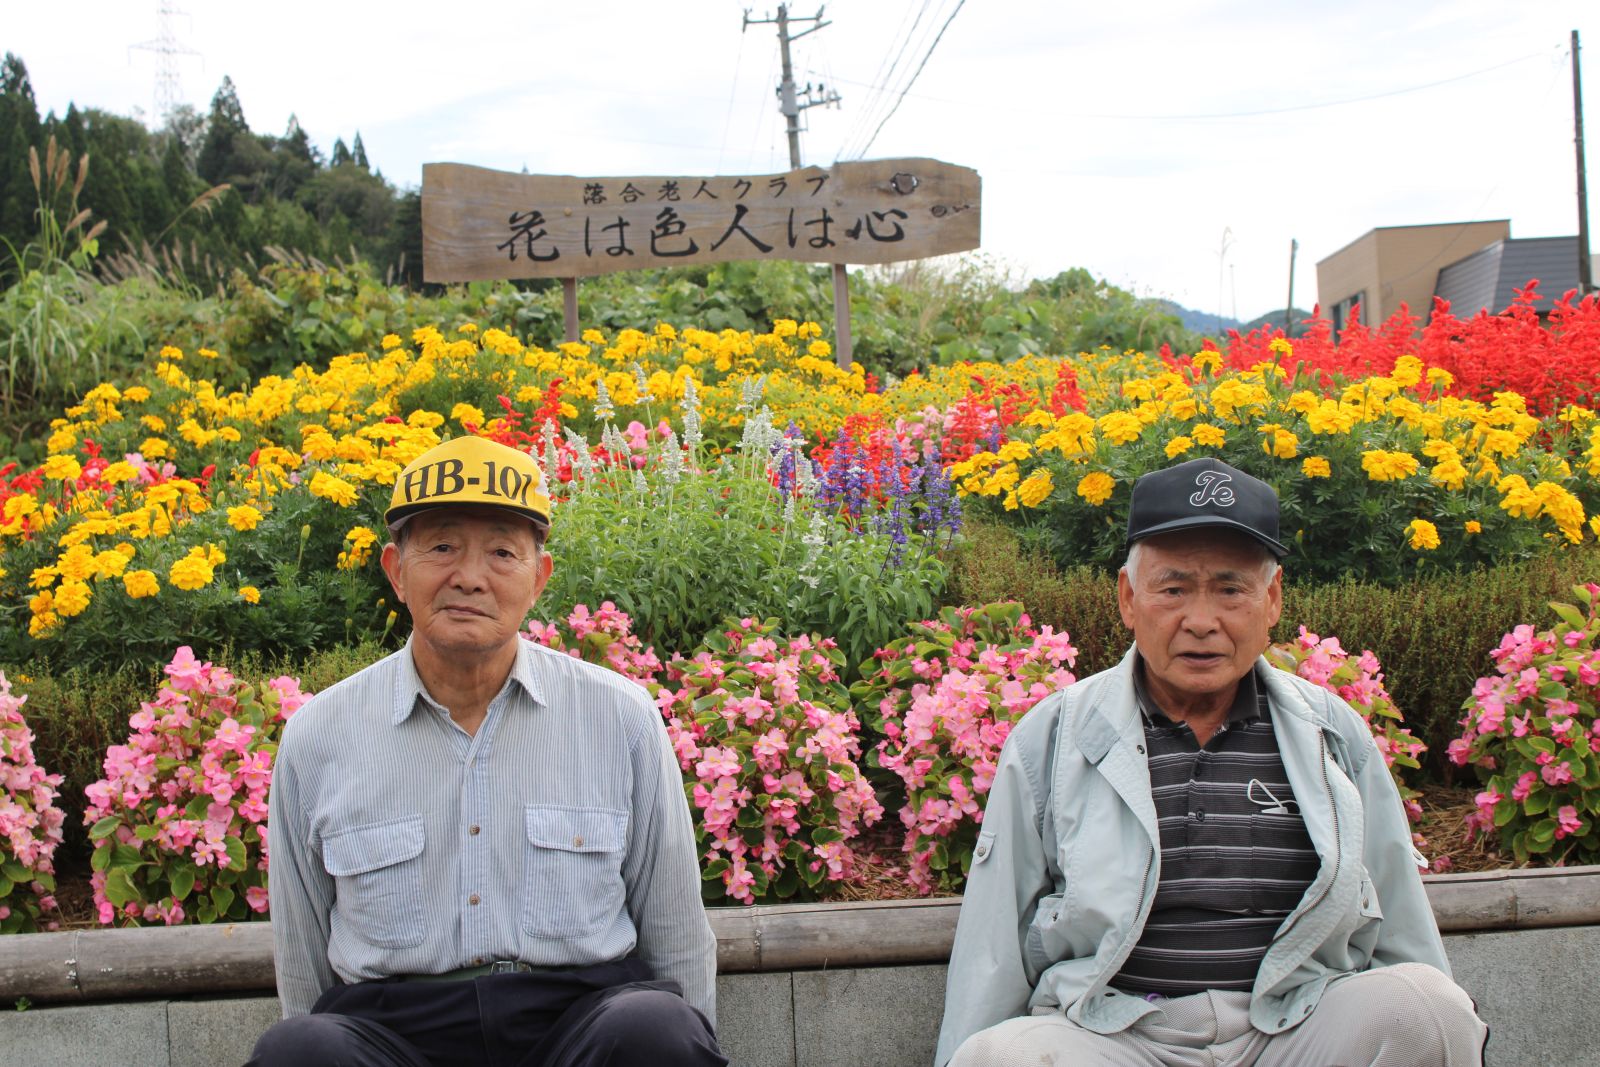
(377, 871)
(572, 878)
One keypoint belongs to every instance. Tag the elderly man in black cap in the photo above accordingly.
(1193, 858)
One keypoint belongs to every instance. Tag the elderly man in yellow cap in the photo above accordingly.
(481, 851)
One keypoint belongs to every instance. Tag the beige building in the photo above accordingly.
(1394, 265)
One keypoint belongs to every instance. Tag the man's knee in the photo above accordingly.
(1416, 1010)
(654, 1024)
(300, 1041)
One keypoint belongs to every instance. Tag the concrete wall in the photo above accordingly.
(1532, 987)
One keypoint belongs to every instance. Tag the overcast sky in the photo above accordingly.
(1174, 147)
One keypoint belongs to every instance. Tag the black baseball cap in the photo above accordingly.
(1204, 493)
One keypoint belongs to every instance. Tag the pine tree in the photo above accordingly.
(19, 130)
(217, 151)
(341, 154)
(358, 153)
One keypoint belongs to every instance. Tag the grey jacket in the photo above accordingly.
(1067, 863)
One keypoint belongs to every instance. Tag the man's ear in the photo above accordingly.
(390, 560)
(1125, 597)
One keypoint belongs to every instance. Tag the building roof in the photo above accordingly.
(1486, 279)
(1420, 226)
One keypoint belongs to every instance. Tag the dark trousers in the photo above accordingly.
(608, 1015)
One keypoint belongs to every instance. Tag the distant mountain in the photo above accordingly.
(1209, 324)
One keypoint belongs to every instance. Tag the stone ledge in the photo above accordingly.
(1528, 983)
(100, 965)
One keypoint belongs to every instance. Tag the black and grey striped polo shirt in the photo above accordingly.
(1235, 855)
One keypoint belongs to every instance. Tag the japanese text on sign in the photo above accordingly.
(480, 224)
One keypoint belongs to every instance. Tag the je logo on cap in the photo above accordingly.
(1213, 487)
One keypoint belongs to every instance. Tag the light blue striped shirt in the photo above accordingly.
(558, 835)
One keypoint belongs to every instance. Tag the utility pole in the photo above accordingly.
(1288, 308)
(789, 102)
(1585, 278)
(791, 106)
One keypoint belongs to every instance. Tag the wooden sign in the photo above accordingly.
(482, 224)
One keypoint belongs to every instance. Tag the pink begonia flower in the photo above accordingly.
(1487, 799)
(1524, 786)
(1567, 821)
(1557, 774)
(256, 897)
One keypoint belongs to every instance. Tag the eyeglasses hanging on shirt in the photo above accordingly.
(1271, 805)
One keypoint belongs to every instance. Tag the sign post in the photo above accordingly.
(480, 224)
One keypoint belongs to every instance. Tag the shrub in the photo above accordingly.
(30, 825)
(179, 821)
(1531, 730)
(1358, 681)
(604, 637)
(763, 730)
(944, 699)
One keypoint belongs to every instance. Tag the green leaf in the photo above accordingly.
(825, 835)
(15, 871)
(788, 883)
(104, 828)
(146, 832)
(236, 855)
(182, 882)
(119, 889)
(223, 898)
(1569, 614)
(100, 859)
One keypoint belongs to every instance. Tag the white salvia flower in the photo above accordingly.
(640, 486)
(550, 455)
(788, 509)
(805, 476)
(641, 384)
(603, 408)
(814, 540)
(672, 463)
(750, 391)
(582, 458)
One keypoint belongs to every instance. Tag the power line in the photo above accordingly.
(864, 117)
(733, 92)
(959, 5)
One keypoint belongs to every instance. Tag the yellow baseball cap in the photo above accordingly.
(469, 471)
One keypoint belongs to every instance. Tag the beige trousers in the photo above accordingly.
(1408, 1015)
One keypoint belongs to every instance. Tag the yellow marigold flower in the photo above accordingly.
(1003, 478)
(1563, 508)
(71, 598)
(785, 328)
(1036, 488)
(1407, 371)
(1424, 535)
(42, 625)
(76, 563)
(191, 572)
(62, 468)
(1209, 360)
(1517, 499)
(337, 490)
(249, 594)
(1576, 415)
(1096, 487)
(390, 341)
(1385, 466)
(118, 472)
(1280, 346)
(140, 584)
(1279, 443)
(1208, 435)
(153, 448)
(1476, 527)
(43, 577)
(593, 336)
(465, 413)
(808, 329)
(244, 518)
(1012, 451)
(1120, 427)
(1449, 473)
(137, 394)
(61, 441)
(171, 353)
(111, 563)
(1178, 446)
(206, 353)
(819, 349)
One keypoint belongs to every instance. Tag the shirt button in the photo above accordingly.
(1139, 749)
(473, 899)
(577, 842)
(1200, 815)
(473, 830)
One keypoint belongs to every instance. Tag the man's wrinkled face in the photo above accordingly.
(469, 576)
(1201, 609)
